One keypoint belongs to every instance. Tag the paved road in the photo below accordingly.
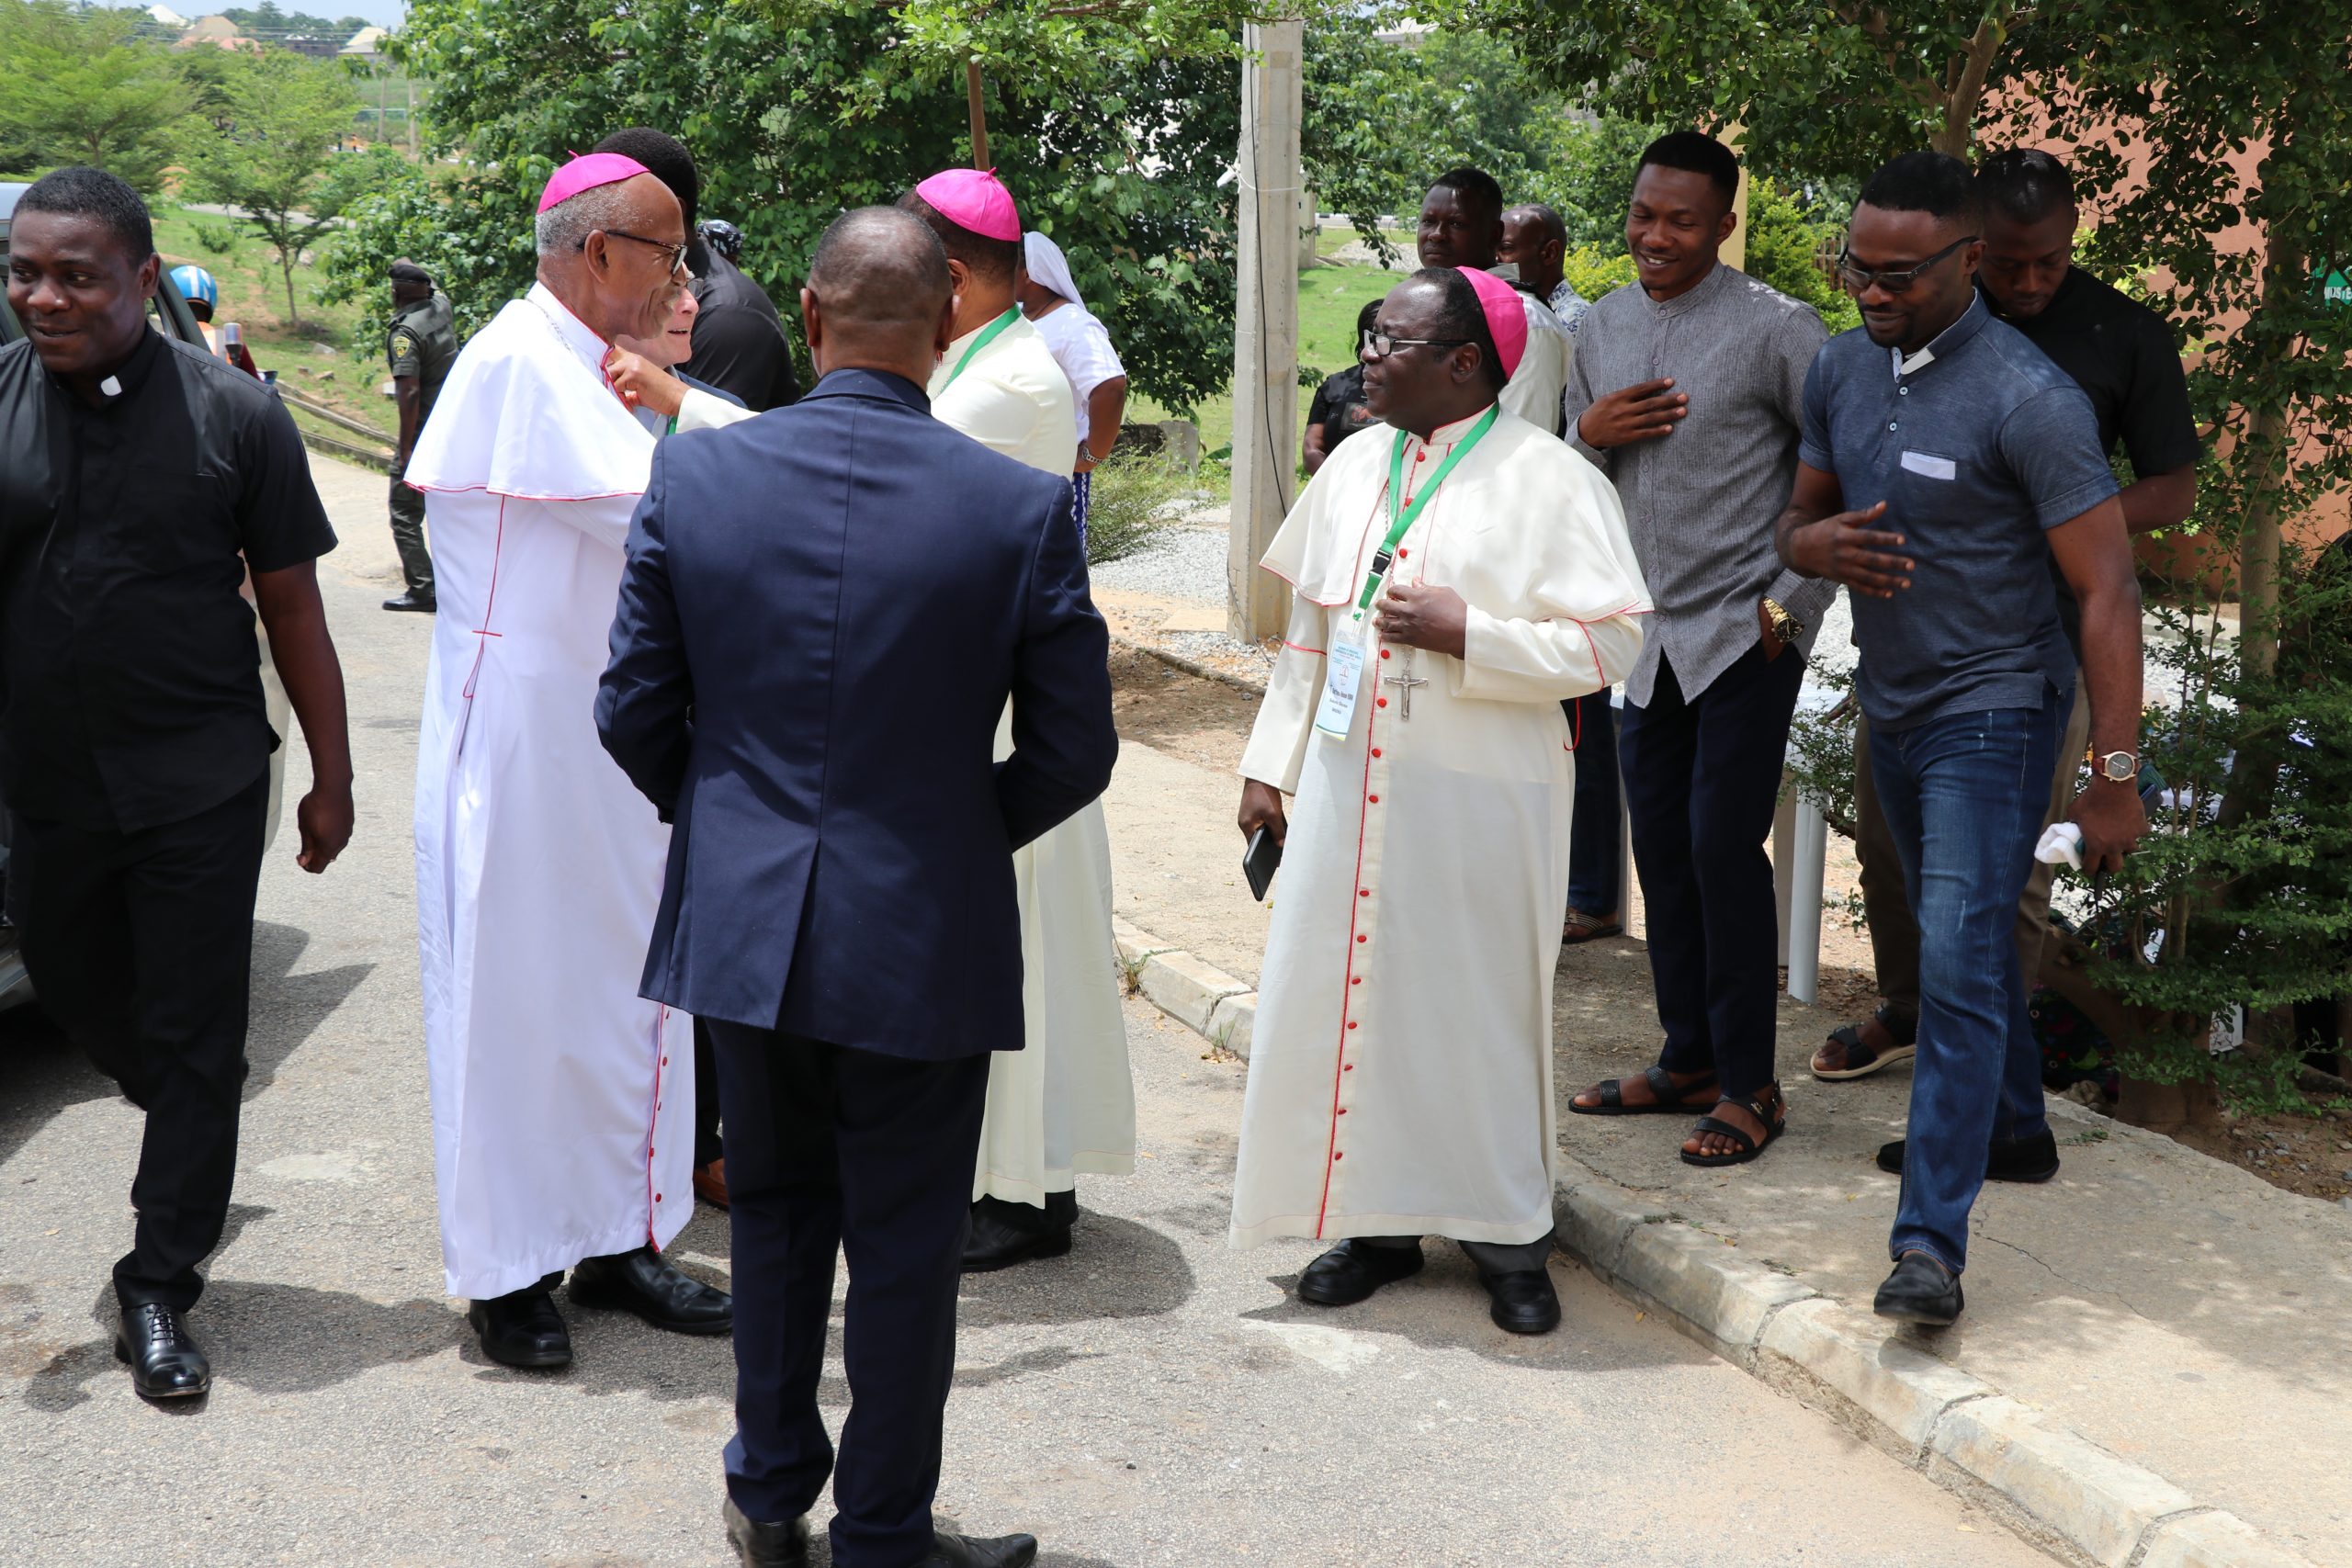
(1153, 1399)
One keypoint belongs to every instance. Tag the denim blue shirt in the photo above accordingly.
(1978, 444)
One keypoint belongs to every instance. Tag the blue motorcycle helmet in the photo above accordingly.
(196, 287)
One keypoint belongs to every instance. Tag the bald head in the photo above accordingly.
(1537, 239)
(879, 295)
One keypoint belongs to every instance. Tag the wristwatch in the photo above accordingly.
(1785, 626)
(2117, 767)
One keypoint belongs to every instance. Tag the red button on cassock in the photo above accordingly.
(1356, 981)
(1402, 554)
(1375, 750)
(1352, 1023)
(1363, 939)
(1380, 702)
(1349, 1068)
(1363, 892)
(1373, 798)
(1384, 653)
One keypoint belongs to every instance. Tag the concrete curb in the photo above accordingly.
(2048, 1483)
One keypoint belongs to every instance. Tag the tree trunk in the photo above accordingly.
(1964, 85)
(285, 260)
(2163, 1108)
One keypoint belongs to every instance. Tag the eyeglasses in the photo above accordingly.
(1381, 345)
(677, 252)
(1857, 279)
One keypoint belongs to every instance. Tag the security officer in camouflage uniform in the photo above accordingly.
(421, 344)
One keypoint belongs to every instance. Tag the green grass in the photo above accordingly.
(319, 360)
(1328, 299)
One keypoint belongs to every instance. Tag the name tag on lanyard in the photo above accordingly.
(1343, 665)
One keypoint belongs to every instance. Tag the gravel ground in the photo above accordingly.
(1182, 562)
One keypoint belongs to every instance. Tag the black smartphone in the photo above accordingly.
(1258, 865)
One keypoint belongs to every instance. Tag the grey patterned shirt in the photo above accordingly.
(1701, 503)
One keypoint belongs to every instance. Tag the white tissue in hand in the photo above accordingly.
(2062, 844)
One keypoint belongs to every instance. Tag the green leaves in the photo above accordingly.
(284, 118)
(81, 86)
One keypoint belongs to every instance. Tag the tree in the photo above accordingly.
(275, 162)
(2235, 896)
(78, 87)
(796, 111)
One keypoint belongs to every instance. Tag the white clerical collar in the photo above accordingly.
(577, 335)
(1447, 434)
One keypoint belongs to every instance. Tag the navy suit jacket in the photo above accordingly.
(824, 611)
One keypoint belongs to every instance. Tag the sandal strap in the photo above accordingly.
(1737, 1134)
(1661, 1084)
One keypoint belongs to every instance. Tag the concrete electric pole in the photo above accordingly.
(1265, 334)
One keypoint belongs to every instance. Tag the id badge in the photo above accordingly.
(1342, 674)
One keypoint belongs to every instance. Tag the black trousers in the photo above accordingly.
(408, 538)
(830, 1149)
(140, 946)
(707, 1146)
(1702, 776)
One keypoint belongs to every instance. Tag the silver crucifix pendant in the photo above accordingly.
(1404, 682)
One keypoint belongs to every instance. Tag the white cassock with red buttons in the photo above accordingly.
(1400, 1068)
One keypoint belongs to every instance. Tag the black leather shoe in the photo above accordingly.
(994, 1243)
(948, 1550)
(648, 1284)
(1920, 1292)
(165, 1362)
(1524, 1301)
(422, 603)
(2008, 1159)
(1353, 1269)
(783, 1543)
(521, 1329)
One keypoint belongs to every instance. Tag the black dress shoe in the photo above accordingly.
(782, 1543)
(1353, 1269)
(948, 1550)
(1524, 1301)
(2008, 1159)
(996, 1243)
(648, 1284)
(422, 603)
(521, 1329)
(1921, 1292)
(165, 1362)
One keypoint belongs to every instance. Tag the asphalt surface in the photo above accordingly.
(1153, 1398)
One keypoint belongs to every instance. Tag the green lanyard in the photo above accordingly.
(1401, 517)
(988, 336)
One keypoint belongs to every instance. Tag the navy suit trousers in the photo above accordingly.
(832, 1149)
(1702, 777)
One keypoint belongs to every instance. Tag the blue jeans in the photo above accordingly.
(1964, 796)
(1597, 830)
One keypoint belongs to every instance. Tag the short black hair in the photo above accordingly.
(666, 159)
(1365, 318)
(1473, 187)
(1934, 183)
(2025, 184)
(81, 192)
(981, 255)
(1696, 153)
(1463, 317)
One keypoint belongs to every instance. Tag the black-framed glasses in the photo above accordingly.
(1855, 280)
(677, 252)
(1381, 345)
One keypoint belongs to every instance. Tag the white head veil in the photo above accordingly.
(1048, 267)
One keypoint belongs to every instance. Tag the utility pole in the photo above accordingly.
(1265, 336)
(980, 114)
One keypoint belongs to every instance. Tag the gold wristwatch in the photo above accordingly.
(1785, 626)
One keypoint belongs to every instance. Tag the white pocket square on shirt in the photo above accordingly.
(1927, 463)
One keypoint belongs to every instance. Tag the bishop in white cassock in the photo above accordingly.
(1400, 1074)
(562, 1102)
(1064, 1105)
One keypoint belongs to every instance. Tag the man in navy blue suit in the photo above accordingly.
(824, 611)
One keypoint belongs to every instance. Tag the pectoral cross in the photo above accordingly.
(1404, 682)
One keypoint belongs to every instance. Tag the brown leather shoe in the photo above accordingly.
(710, 1182)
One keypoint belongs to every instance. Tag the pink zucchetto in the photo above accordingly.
(974, 199)
(1506, 317)
(586, 173)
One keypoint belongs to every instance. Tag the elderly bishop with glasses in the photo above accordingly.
(1454, 576)
(562, 1103)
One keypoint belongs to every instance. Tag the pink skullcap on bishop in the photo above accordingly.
(1506, 317)
(587, 173)
(974, 199)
